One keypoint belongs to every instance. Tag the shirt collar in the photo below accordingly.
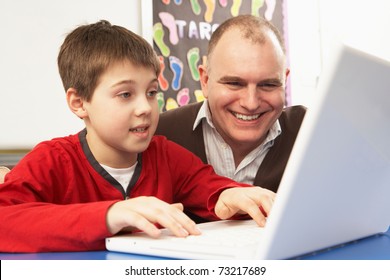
(204, 112)
(274, 132)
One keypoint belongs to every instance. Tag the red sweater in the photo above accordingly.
(57, 197)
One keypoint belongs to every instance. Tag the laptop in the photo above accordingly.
(336, 186)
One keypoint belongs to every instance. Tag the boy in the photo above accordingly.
(70, 193)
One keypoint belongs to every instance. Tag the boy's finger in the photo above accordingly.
(178, 206)
(188, 224)
(173, 225)
(180, 224)
(143, 224)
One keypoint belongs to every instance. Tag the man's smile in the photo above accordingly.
(243, 117)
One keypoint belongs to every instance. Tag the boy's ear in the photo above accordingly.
(76, 103)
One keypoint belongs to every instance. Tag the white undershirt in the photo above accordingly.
(220, 155)
(122, 175)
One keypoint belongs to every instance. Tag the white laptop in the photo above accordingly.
(336, 186)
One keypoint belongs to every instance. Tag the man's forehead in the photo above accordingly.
(237, 34)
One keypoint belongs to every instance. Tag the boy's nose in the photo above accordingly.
(143, 106)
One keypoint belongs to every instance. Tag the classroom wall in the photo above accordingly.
(32, 100)
(315, 26)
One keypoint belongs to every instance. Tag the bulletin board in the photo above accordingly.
(181, 31)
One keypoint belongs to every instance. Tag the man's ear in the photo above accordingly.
(287, 72)
(204, 77)
(76, 103)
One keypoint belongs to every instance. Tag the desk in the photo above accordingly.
(375, 247)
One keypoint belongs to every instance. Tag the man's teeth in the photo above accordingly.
(246, 117)
(138, 129)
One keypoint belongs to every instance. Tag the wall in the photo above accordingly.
(316, 25)
(32, 100)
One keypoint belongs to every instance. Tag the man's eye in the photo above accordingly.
(234, 84)
(270, 86)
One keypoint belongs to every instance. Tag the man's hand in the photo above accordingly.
(254, 201)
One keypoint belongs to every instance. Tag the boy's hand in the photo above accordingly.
(254, 201)
(142, 212)
(3, 171)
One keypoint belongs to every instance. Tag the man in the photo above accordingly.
(242, 128)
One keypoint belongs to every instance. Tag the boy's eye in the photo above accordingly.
(152, 93)
(124, 95)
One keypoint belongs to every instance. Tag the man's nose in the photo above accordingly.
(251, 98)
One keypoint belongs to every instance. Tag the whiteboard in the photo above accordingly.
(32, 100)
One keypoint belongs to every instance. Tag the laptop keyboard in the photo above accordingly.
(219, 240)
(236, 236)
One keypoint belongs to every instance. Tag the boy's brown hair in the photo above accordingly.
(90, 49)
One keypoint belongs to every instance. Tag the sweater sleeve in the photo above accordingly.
(44, 208)
(197, 185)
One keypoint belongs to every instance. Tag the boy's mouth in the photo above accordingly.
(138, 129)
